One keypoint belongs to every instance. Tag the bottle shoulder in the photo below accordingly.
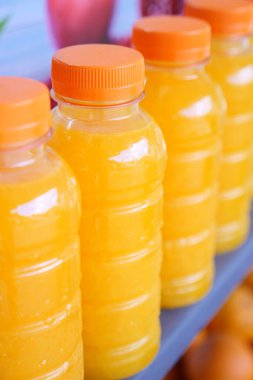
(47, 184)
(234, 73)
(176, 92)
(137, 134)
(113, 160)
(188, 108)
(99, 124)
(223, 66)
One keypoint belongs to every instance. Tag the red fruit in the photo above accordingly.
(173, 375)
(249, 280)
(219, 357)
(159, 7)
(199, 339)
(236, 316)
(79, 21)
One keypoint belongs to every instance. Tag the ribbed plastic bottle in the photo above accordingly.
(187, 106)
(118, 155)
(40, 299)
(231, 66)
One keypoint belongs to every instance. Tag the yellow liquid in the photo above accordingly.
(232, 67)
(118, 156)
(40, 305)
(187, 106)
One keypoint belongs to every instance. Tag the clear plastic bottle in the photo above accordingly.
(187, 106)
(231, 66)
(40, 303)
(118, 155)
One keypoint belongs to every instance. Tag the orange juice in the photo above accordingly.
(118, 155)
(187, 105)
(232, 67)
(40, 303)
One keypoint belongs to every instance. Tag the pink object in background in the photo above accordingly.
(79, 21)
(75, 22)
(156, 7)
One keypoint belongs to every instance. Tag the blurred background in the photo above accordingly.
(30, 30)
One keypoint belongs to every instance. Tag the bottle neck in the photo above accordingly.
(19, 158)
(177, 68)
(231, 45)
(90, 112)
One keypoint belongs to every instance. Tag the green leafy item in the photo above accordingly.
(3, 23)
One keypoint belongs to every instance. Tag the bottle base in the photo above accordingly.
(231, 237)
(187, 291)
(121, 363)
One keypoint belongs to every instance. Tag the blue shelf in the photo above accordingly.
(181, 325)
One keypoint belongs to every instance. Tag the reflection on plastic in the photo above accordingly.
(200, 108)
(39, 205)
(242, 77)
(136, 151)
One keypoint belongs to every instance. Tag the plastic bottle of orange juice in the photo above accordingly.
(40, 303)
(232, 67)
(118, 155)
(187, 105)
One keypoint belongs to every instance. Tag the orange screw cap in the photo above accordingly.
(97, 73)
(24, 111)
(226, 17)
(172, 38)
